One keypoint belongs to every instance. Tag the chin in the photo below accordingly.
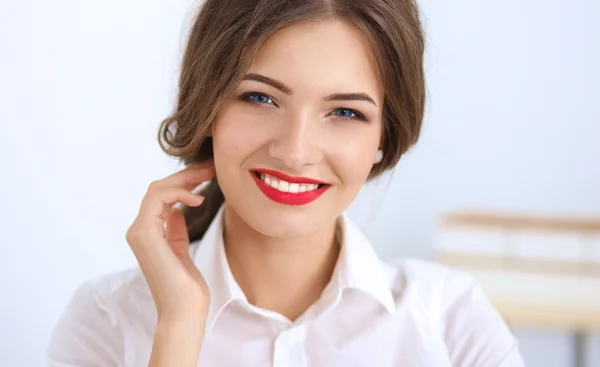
(284, 223)
(280, 221)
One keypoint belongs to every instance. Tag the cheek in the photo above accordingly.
(226, 130)
(235, 138)
(226, 143)
(353, 160)
(354, 153)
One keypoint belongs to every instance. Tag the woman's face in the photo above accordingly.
(308, 110)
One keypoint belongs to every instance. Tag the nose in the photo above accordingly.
(296, 143)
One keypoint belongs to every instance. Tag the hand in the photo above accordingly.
(178, 289)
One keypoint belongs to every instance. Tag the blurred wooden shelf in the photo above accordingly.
(548, 318)
(546, 300)
(538, 272)
(522, 221)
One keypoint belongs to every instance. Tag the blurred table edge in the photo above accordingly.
(544, 314)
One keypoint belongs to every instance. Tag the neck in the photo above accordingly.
(281, 275)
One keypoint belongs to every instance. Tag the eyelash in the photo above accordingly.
(247, 97)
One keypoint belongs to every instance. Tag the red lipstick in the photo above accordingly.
(289, 198)
(290, 179)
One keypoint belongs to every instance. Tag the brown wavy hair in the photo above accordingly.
(226, 36)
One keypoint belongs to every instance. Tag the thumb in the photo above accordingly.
(177, 234)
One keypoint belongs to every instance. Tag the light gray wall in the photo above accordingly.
(512, 123)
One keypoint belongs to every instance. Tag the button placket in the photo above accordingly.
(288, 350)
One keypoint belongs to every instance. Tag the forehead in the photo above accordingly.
(320, 57)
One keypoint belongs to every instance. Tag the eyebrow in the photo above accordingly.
(287, 90)
(350, 97)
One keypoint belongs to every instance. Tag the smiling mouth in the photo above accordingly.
(287, 190)
(285, 186)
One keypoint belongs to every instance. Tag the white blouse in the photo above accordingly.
(373, 314)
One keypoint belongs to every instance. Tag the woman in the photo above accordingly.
(292, 105)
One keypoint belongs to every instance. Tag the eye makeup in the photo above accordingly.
(264, 100)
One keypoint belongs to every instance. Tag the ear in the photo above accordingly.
(378, 157)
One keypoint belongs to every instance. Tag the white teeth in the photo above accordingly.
(285, 186)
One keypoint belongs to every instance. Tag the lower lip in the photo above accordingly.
(289, 198)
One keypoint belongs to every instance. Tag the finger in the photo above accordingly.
(153, 205)
(188, 178)
(177, 234)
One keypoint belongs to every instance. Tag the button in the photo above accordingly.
(288, 350)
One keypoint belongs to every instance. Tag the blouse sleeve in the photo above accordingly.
(87, 334)
(475, 334)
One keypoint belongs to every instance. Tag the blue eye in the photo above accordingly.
(349, 114)
(257, 98)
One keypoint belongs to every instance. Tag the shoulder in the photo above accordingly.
(445, 292)
(113, 285)
(92, 326)
(110, 292)
(431, 280)
(473, 331)
(108, 295)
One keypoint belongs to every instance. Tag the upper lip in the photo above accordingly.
(290, 179)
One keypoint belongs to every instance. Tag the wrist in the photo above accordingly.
(177, 342)
(186, 322)
(182, 316)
